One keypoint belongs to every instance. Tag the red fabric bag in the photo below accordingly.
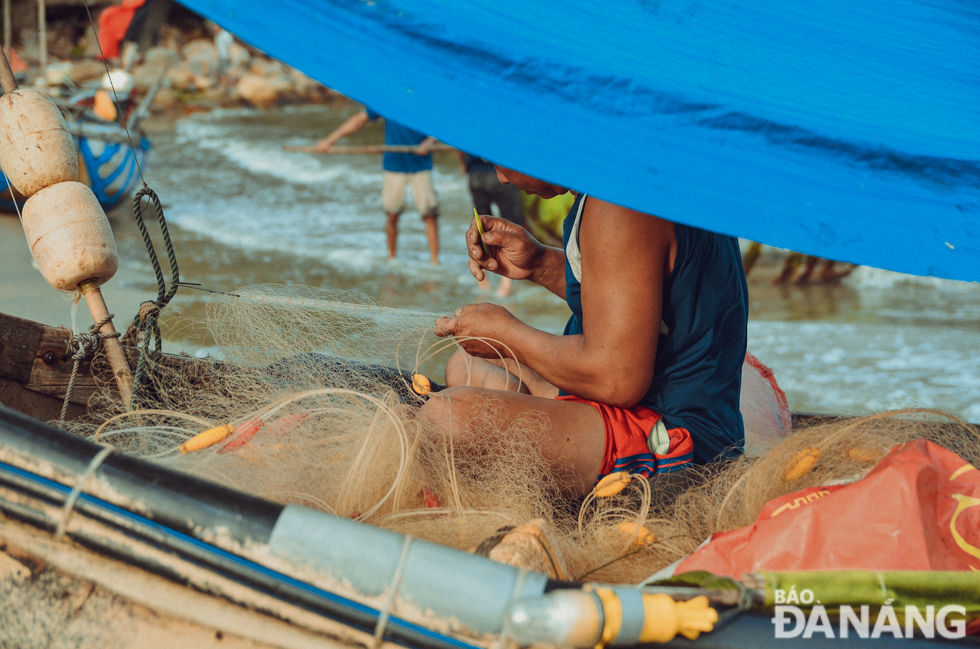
(918, 509)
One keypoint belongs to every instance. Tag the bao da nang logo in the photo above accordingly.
(793, 621)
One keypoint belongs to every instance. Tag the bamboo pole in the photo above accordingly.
(42, 33)
(6, 25)
(113, 349)
(7, 81)
(369, 149)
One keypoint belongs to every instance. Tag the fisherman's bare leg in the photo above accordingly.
(432, 234)
(808, 267)
(496, 374)
(392, 231)
(427, 204)
(572, 441)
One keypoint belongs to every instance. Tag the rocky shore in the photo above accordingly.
(196, 73)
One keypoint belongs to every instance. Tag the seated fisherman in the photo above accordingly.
(646, 377)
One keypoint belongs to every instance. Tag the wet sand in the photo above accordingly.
(25, 294)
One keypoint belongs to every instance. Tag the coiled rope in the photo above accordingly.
(79, 346)
(146, 321)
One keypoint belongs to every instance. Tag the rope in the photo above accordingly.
(79, 346)
(396, 581)
(146, 321)
(115, 96)
(69, 506)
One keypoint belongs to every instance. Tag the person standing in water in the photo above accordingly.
(647, 374)
(400, 171)
(487, 190)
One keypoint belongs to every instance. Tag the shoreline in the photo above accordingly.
(25, 294)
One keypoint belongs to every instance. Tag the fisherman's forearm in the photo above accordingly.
(352, 125)
(568, 363)
(550, 271)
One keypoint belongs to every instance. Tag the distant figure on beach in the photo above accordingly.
(645, 378)
(135, 23)
(400, 170)
(829, 273)
(487, 190)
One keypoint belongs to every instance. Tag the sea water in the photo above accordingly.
(244, 211)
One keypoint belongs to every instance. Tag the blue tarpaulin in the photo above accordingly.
(848, 129)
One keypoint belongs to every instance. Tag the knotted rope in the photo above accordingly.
(79, 346)
(146, 321)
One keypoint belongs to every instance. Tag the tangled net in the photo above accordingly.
(317, 424)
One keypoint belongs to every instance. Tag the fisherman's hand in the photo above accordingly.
(514, 253)
(425, 147)
(323, 146)
(478, 328)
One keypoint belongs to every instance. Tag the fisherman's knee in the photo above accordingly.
(458, 368)
(450, 412)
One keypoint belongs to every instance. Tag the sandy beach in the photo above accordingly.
(25, 294)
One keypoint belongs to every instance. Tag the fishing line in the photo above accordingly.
(115, 96)
(69, 506)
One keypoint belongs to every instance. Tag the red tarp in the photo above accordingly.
(918, 509)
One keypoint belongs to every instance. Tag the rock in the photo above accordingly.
(165, 99)
(262, 92)
(156, 60)
(160, 57)
(181, 79)
(303, 85)
(200, 47)
(215, 95)
(238, 55)
(86, 70)
(201, 58)
(268, 68)
(144, 76)
(203, 82)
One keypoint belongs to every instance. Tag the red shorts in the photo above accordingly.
(627, 446)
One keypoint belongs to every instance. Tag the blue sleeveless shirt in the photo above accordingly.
(698, 369)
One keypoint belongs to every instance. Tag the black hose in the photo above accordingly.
(178, 494)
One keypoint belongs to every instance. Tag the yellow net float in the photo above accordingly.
(641, 536)
(801, 463)
(612, 484)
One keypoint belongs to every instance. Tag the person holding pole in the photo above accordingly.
(400, 170)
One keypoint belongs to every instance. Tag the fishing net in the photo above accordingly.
(318, 390)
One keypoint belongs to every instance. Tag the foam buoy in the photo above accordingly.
(67, 230)
(70, 236)
(36, 147)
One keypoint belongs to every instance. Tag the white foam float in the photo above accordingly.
(36, 147)
(70, 236)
